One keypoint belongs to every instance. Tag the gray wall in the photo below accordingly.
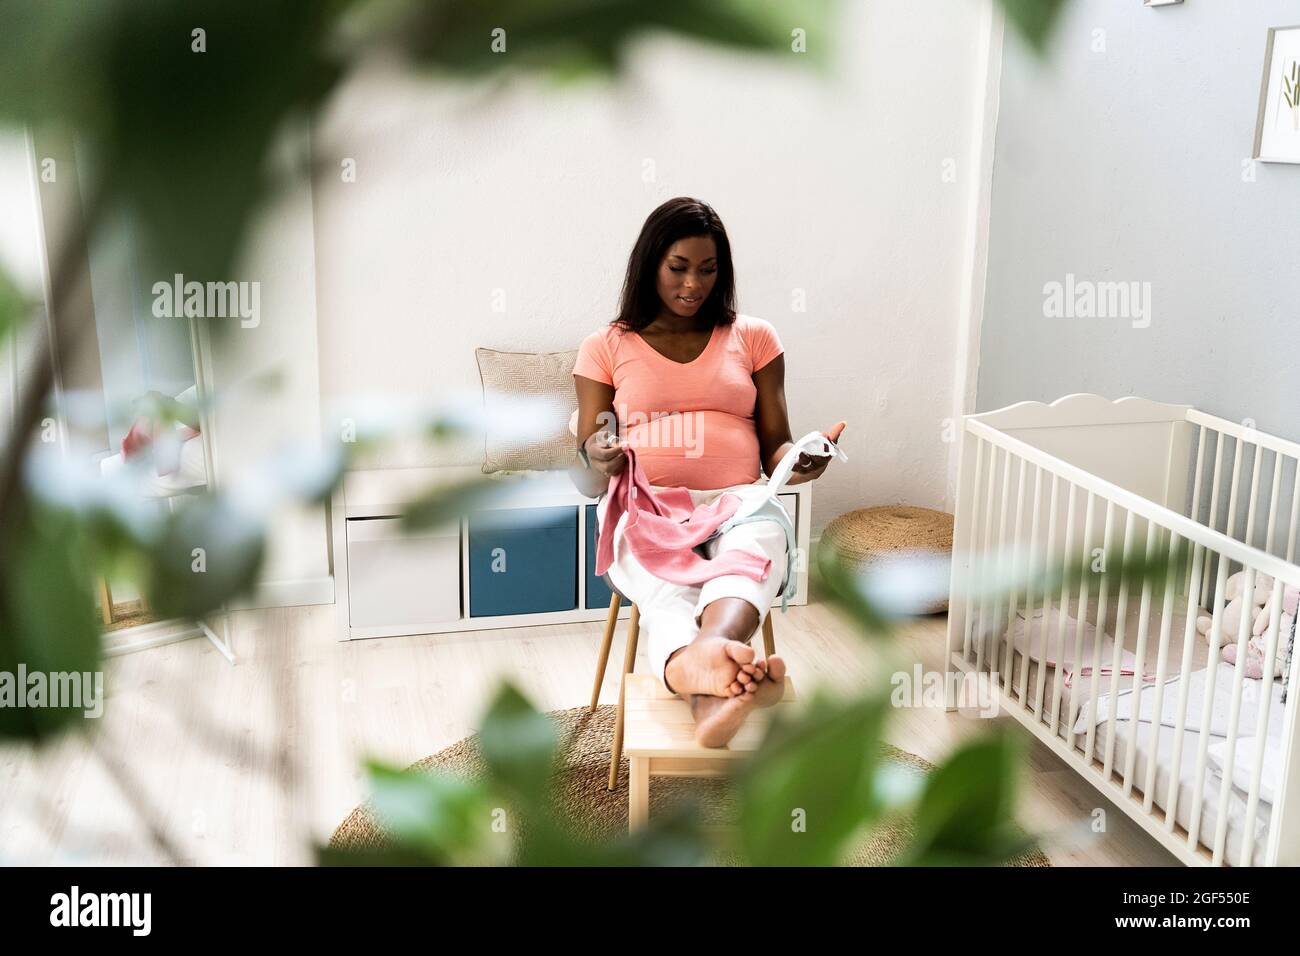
(1127, 165)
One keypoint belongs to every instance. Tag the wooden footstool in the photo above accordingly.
(659, 740)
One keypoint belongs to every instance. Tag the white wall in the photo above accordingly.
(253, 422)
(833, 185)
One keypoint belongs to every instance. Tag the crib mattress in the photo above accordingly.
(1210, 788)
(1210, 783)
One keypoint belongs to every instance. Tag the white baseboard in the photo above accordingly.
(289, 593)
(152, 634)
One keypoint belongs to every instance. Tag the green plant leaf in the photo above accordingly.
(1033, 19)
(843, 585)
(518, 745)
(673, 837)
(14, 307)
(178, 136)
(208, 553)
(966, 815)
(450, 502)
(47, 617)
(438, 818)
(810, 786)
(590, 37)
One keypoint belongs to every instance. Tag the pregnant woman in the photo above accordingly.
(698, 393)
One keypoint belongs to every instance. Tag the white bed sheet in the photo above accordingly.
(1210, 784)
(1210, 788)
(1220, 711)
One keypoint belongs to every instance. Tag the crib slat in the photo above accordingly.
(1121, 625)
(1004, 516)
(1139, 665)
(1272, 501)
(1162, 661)
(1198, 474)
(1195, 514)
(1254, 496)
(1018, 549)
(1189, 644)
(1032, 562)
(1234, 717)
(1212, 666)
(986, 560)
(1219, 438)
(1103, 592)
(1295, 512)
(1080, 615)
(1230, 526)
(1246, 857)
(974, 550)
(1230, 529)
(1047, 606)
(1058, 677)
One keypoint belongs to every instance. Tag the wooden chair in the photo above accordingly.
(629, 663)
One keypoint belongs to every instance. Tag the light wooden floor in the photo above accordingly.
(250, 764)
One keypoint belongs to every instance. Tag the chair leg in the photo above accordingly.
(638, 794)
(602, 662)
(105, 602)
(629, 662)
(769, 642)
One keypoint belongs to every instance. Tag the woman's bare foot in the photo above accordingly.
(769, 686)
(717, 719)
(714, 666)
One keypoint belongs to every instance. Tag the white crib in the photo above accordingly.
(1202, 757)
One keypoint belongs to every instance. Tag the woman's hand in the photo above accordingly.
(808, 466)
(605, 452)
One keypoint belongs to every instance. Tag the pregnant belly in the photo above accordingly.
(699, 450)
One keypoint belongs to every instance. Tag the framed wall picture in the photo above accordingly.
(1277, 133)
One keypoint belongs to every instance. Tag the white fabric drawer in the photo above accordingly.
(402, 579)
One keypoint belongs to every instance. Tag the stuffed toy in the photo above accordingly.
(1263, 587)
(1259, 612)
(1236, 606)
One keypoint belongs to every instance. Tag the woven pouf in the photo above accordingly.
(864, 536)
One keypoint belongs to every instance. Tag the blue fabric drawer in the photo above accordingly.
(523, 561)
(598, 592)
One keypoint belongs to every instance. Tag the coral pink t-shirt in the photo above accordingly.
(691, 423)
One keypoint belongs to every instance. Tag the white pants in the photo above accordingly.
(670, 613)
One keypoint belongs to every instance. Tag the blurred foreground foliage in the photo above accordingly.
(181, 105)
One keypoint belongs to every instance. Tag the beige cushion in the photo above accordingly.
(545, 378)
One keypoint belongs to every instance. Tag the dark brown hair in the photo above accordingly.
(680, 218)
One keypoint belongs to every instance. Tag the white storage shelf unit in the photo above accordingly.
(390, 583)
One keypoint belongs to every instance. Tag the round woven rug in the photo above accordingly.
(593, 812)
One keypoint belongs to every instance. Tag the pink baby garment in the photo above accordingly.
(663, 529)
